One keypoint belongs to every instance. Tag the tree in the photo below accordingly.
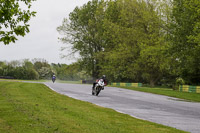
(71, 72)
(30, 72)
(28, 64)
(45, 73)
(185, 42)
(14, 20)
(42, 67)
(2, 66)
(84, 32)
(136, 52)
(123, 38)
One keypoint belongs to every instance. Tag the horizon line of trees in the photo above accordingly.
(40, 69)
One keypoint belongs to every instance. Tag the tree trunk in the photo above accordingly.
(152, 83)
(154, 80)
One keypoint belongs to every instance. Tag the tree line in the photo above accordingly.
(147, 41)
(40, 69)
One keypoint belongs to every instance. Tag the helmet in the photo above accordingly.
(104, 76)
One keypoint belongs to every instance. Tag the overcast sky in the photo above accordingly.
(42, 41)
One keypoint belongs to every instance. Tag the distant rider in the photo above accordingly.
(104, 80)
(53, 78)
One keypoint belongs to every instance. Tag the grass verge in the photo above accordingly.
(32, 107)
(18, 80)
(187, 96)
(43, 80)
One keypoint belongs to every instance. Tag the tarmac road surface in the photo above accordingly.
(155, 108)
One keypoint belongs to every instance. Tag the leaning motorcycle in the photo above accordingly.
(98, 87)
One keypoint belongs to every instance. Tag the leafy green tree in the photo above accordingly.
(19, 73)
(32, 74)
(28, 64)
(14, 20)
(70, 72)
(15, 63)
(39, 63)
(84, 31)
(8, 70)
(185, 36)
(138, 41)
(2, 66)
(124, 39)
(42, 67)
(45, 73)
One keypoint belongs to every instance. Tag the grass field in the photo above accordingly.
(34, 108)
(59, 81)
(187, 96)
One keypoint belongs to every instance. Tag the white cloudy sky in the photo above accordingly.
(42, 41)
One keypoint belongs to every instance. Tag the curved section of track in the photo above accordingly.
(155, 108)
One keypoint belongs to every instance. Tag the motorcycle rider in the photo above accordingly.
(104, 80)
(53, 78)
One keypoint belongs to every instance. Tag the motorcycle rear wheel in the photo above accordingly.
(93, 91)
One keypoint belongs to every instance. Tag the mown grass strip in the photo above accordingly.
(43, 80)
(187, 96)
(21, 80)
(31, 107)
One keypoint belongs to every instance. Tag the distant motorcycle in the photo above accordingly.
(98, 87)
(53, 79)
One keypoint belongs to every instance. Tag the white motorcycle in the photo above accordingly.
(98, 87)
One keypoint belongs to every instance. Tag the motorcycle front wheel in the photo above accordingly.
(98, 90)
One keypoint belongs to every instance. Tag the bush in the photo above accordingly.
(32, 74)
(179, 81)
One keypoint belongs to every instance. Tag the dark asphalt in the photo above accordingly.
(155, 108)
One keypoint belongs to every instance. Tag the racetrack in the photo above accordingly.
(155, 108)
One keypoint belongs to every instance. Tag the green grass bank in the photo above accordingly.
(34, 108)
(187, 96)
